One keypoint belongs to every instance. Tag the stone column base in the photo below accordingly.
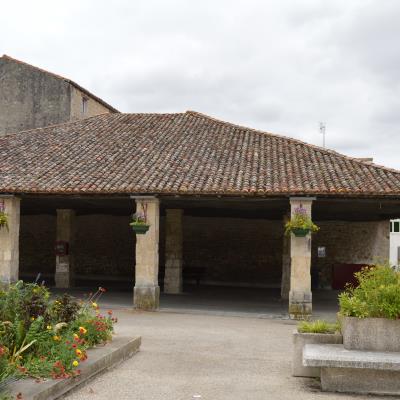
(5, 285)
(146, 298)
(300, 305)
(173, 280)
(63, 280)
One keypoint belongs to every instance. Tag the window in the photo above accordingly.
(391, 226)
(84, 105)
(396, 226)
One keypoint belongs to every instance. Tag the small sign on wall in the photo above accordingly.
(321, 251)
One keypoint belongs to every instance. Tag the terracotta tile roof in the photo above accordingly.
(186, 153)
(79, 87)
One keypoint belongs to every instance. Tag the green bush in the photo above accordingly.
(317, 327)
(376, 296)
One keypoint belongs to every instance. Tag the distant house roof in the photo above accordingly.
(185, 153)
(82, 89)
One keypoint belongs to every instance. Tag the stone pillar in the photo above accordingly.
(300, 296)
(285, 283)
(173, 252)
(146, 294)
(65, 235)
(9, 241)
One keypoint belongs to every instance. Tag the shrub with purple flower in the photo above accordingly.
(300, 220)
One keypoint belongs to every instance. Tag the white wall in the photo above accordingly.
(394, 244)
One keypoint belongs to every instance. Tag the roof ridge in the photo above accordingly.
(76, 85)
(294, 140)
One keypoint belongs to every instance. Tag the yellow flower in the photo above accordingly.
(82, 330)
(49, 327)
(32, 318)
(94, 305)
(75, 363)
(78, 352)
(56, 338)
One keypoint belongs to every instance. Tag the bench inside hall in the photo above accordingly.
(354, 371)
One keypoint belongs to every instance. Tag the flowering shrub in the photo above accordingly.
(300, 220)
(376, 296)
(139, 219)
(43, 338)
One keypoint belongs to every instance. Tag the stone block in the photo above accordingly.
(374, 334)
(355, 371)
(300, 305)
(146, 298)
(300, 340)
(365, 381)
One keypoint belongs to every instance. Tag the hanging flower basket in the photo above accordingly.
(300, 224)
(139, 229)
(139, 221)
(3, 217)
(300, 232)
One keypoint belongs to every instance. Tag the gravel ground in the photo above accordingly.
(214, 357)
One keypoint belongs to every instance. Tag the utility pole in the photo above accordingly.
(322, 130)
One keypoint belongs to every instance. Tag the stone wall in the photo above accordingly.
(104, 245)
(234, 250)
(349, 243)
(93, 107)
(30, 98)
(37, 236)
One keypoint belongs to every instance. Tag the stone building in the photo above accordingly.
(216, 196)
(33, 98)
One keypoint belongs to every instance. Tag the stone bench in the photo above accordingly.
(354, 371)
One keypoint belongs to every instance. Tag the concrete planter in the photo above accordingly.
(300, 340)
(373, 334)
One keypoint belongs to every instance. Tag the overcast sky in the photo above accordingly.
(277, 65)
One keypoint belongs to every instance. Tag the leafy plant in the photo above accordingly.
(3, 219)
(317, 327)
(376, 296)
(139, 219)
(43, 338)
(64, 309)
(300, 220)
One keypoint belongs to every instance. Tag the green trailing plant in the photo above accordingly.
(318, 326)
(300, 221)
(138, 219)
(377, 294)
(3, 217)
(3, 220)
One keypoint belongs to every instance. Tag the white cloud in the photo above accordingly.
(281, 66)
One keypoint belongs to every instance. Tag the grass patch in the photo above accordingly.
(317, 327)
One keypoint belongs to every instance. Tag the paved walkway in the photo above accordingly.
(216, 357)
(222, 301)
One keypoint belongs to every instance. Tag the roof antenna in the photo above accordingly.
(322, 130)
